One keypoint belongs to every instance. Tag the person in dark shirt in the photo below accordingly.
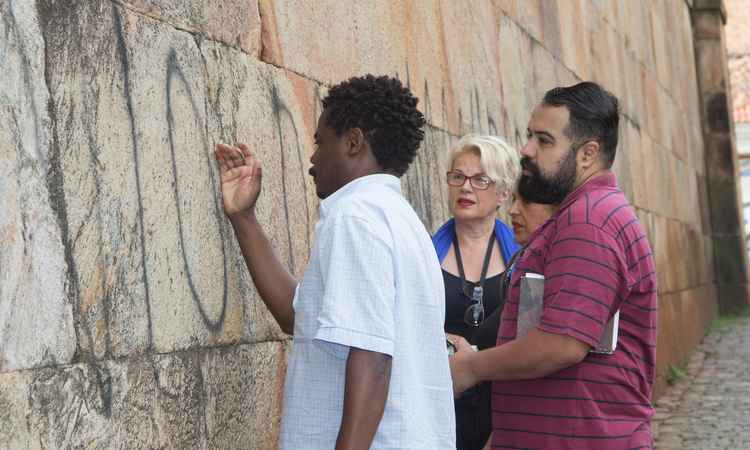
(549, 391)
(474, 248)
(526, 216)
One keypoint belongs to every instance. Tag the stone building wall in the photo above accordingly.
(127, 318)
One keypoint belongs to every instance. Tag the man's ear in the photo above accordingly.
(355, 141)
(589, 154)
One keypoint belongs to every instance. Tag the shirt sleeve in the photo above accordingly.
(586, 279)
(359, 292)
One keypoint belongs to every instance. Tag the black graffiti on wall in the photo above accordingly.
(125, 71)
(283, 118)
(176, 75)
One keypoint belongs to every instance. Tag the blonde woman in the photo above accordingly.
(474, 248)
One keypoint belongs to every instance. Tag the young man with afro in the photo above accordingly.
(369, 366)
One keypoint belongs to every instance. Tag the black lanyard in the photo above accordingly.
(485, 265)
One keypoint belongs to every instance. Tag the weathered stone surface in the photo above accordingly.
(220, 398)
(235, 22)
(13, 408)
(424, 183)
(125, 281)
(622, 167)
(243, 395)
(517, 84)
(36, 320)
(445, 51)
(155, 261)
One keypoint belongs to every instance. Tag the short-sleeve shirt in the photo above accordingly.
(373, 282)
(596, 259)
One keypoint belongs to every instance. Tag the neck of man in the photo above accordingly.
(588, 174)
(473, 232)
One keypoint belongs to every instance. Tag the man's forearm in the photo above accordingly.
(272, 280)
(368, 376)
(535, 355)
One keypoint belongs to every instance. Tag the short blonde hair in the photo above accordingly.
(500, 160)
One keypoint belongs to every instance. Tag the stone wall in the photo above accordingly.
(127, 318)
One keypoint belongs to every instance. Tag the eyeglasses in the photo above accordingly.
(457, 179)
(474, 314)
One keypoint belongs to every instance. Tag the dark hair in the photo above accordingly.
(594, 114)
(387, 114)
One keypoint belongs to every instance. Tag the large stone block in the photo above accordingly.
(662, 33)
(680, 249)
(530, 17)
(703, 204)
(275, 112)
(14, 396)
(424, 183)
(243, 395)
(517, 80)
(575, 47)
(36, 319)
(666, 111)
(639, 146)
(543, 72)
(678, 130)
(472, 63)
(220, 398)
(621, 166)
(667, 337)
(707, 24)
(155, 262)
(660, 246)
(633, 100)
(235, 22)
(73, 407)
(603, 62)
(710, 63)
(639, 36)
(683, 60)
(442, 50)
(652, 116)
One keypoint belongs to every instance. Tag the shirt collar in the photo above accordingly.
(603, 180)
(358, 185)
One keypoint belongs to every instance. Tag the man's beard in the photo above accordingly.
(536, 188)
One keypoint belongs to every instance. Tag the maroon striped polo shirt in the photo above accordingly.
(595, 258)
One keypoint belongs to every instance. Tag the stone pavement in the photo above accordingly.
(709, 407)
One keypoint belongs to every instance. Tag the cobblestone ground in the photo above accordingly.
(709, 407)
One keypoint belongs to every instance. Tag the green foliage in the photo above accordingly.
(675, 372)
(723, 323)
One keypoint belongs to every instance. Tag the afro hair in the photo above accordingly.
(387, 114)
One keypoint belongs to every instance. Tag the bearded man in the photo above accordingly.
(549, 390)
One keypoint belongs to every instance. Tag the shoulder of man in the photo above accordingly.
(602, 208)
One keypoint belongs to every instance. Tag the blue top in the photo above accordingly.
(443, 238)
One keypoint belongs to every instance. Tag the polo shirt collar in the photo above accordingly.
(358, 185)
(606, 179)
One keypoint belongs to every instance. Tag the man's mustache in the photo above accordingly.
(528, 164)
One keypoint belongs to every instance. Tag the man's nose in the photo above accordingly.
(529, 149)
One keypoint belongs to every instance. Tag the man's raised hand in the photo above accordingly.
(241, 175)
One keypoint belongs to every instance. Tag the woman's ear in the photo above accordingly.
(502, 197)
